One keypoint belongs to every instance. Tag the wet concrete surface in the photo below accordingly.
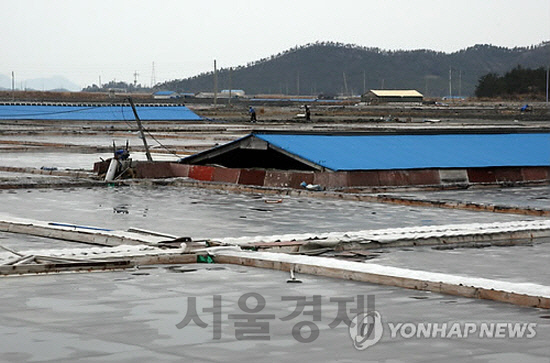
(57, 160)
(134, 315)
(21, 242)
(201, 213)
(521, 263)
(9, 176)
(30, 181)
(532, 197)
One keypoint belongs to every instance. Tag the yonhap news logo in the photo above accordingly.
(463, 330)
(367, 329)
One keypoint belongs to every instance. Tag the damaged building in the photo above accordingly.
(339, 160)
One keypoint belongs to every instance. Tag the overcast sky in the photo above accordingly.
(85, 39)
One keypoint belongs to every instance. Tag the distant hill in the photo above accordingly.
(40, 84)
(333, 69)
(5, 82)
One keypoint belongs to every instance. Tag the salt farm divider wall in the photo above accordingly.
(344, 179)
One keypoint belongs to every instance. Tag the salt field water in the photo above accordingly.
(200, 213)
(136, 314)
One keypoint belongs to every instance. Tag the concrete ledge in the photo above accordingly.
(66, 173)
(502, 233)
(75, 234)
(90, 259)
(91, 266)
(530, 295)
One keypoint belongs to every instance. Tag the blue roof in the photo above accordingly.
(164, 93)
(96, 113)
(385, 152)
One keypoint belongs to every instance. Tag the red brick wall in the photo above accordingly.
(180, 170)
(226, 175)
(535, 173)
(484, 175)
(200, 172)
(329, 180)
(153, 170)
(296, 178)
(252, 177)
(363, 179)
(277, 179)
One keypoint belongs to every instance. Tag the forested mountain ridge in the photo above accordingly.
(339, 69)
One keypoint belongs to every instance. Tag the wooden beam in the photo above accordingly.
(463, 290)
(64, 267)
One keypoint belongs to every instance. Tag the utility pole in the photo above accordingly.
(230, 85)
(140, 126)
(215, 83)
(298, 83)
(450, 84)
(364, 83)
(153, 76)
(426, 86)
(547, 82)
(13, 85)
(460, 83)
(345, 84)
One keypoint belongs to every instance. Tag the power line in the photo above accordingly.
(147, 131)
(50, 113)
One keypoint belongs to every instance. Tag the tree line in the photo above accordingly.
(117, 85)
(518, 81)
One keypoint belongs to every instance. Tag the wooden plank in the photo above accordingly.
(59, 265)
(404, 282)
(64, 267)
(101, 238)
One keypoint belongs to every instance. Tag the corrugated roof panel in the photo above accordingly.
(96, 113)
(385, 152)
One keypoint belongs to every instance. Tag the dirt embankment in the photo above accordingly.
(321, 111)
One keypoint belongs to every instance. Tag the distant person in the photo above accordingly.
(252, 113)
(308, 113)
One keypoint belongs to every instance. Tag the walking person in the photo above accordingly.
(308, 113)
(252, 113)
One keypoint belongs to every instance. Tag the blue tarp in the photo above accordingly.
(385, 152)
(165, 93)
(96, 113)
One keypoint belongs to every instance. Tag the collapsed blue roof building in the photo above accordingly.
(363, 159)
